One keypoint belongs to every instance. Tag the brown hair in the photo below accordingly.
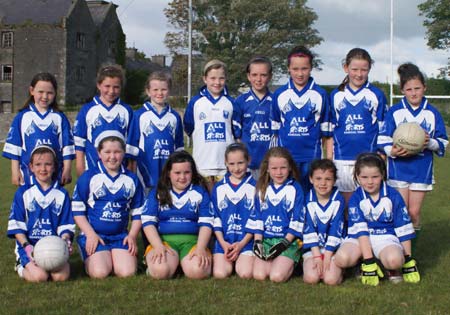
(111, 71)
(369, 160)
(164, 184)
(111, 139)
(409, 71)
(355, 53)
(214, 64)
(46, 77)
(44, 149)
(159, 76)
(259, 60)
(264, 179)
(324, 165)
(301, 51)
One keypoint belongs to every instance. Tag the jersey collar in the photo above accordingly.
(98, 101)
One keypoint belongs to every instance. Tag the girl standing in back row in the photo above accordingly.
(357, 112)
(412, 176)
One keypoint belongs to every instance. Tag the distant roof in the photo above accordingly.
(16, 12)
(99, 10)
(139, 64)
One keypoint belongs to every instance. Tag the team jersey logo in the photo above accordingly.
(226, 114)
(260, 131)
(215, 132)
(296, 127)
(202, 116)
(148, 130)
(354, 124)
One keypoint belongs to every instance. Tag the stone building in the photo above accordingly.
(69, 38)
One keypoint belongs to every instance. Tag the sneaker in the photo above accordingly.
(18, 268)
(394, 276)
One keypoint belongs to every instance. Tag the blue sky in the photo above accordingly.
(343, 24)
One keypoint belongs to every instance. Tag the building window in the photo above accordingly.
(80, 74)
(6, 73)
(7, 39)
(111, 48)
(81, 40)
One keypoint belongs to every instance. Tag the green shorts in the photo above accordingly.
(183, 244)
(293, 252)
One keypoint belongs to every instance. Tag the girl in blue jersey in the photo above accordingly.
(379, 225)
(208, 119)
(323, 225)
(412, 176)
(103, 200)
(103, 116)
(280, 215)
(252, 120)
(357, 111)
(300, 113)
(177, 220)
(156, 130)
(40, 209)
(233, 199)
(40, 122)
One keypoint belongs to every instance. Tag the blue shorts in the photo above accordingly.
(219, 250)
(111, 242)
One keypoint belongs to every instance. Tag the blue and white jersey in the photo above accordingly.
(152, 138)
(356, 117)
(108, 201)
(281, 211)
(324, 224)
(96, 121)
(38, 213)
(252, 125)
(234, 208)
(301, 119)
(30, 129)
(417, 168)
(209, 121)
(386, 216)
(190, 210)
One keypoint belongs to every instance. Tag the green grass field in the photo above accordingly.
(142, 295)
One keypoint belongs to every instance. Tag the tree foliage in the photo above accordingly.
(235, 30)
(437, 22)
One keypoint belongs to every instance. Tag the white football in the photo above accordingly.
(409, 136)
(51, 253)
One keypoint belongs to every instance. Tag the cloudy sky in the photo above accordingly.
(343, 24)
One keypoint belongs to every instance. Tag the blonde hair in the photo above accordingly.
(264, 179)
(214, 64)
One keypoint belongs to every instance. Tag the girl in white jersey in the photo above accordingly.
(208, 119)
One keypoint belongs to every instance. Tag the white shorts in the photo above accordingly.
(378, 242)
(345, 182)
(212, 172)
(247, 253)
(411, 186)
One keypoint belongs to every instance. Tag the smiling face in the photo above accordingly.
(43, 94)
(180, 176)
(358, 72)
(158, 92)
(111, 154)
(300, 70)
(259, 77)
(236, 164)
(278, 168)
(109, 89)
(370, 179)
(323, 182)
(42, 165)
(215, 81)
(414, 91)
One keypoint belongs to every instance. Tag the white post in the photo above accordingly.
(392, 61)
(190, 52)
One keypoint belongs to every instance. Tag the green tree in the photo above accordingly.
(437, 22)
(235, 30)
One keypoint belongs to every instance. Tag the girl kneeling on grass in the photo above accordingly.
(279, 217)
(324, 223)
(103, 200)
(379, 225)
(233, 199)
(177, 220)
(40, 209)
